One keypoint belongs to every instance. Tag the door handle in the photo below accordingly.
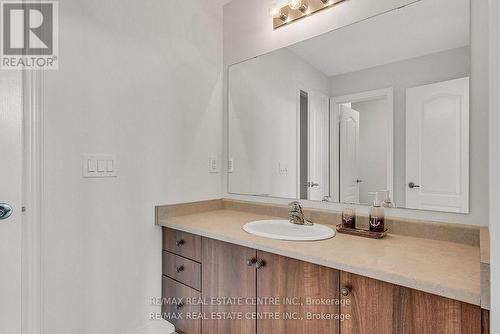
(311, 184)
(359, 181)
(5, 211)
(413, 185)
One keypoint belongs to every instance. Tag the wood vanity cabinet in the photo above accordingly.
(306, 293)
(228, 272)
(245, 291)
(379, 307)
(265, 285)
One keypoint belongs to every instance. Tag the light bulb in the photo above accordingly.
(298, 4)
(274, 12)
(294, 4)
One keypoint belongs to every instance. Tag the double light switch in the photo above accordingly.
(100, 165)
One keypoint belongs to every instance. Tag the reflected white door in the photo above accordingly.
(437, 146)
(349, 155)
(318, 180)
(10, 193)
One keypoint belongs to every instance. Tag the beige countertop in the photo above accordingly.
(439, 267)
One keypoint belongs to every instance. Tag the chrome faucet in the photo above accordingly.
(296, 215)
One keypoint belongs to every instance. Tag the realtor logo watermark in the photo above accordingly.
(29, 35)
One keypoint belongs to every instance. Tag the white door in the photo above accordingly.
(318, 161)
(10, 193)
(349, 155)
(437, 146)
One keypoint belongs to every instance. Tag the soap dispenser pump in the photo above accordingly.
(387, 202)
(377, 216)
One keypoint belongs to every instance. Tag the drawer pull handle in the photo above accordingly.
(345, 292)
(180, 243)
(251, 262)
(180, 268)
(260, 264)
(179, 306)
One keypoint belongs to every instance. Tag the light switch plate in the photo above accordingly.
(99, 165)
(213, 165)
(283, 168)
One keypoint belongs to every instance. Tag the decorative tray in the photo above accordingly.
(361, 233)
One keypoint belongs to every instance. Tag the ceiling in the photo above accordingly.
(419, 29)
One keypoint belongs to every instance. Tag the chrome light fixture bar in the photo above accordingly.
(298, 9)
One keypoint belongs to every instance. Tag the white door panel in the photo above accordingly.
(437, 146)
(319, 109)
(349, 155)
(10, 193)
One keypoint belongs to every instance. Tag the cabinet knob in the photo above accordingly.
(180, 268)
(180, 243)
(251, 262)
(345, 292)
(260, 264)
(179, 306)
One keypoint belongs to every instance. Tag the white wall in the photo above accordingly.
(437, 67)
(263, 121)
(248, 33)
(373, 156)
(141, 79)
(494, 7)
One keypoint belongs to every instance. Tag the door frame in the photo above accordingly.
(306, 89)
(300, 88)
(336, 102)
(32, 192)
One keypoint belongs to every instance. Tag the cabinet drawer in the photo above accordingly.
(181, 243)
(183, 270)
(178, 310)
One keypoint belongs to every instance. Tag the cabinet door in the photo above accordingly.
(228, 287)
(296, 297)
(377, 307)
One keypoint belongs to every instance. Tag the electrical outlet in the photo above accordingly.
(230, 165)
(213, 165)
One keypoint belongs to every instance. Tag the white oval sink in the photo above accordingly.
(284, 230)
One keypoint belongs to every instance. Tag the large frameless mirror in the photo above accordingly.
(378, 106)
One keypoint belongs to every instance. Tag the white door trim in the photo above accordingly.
(32, 202)
(299, 88)
(387, 93)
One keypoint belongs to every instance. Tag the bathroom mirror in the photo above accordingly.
(378, 106)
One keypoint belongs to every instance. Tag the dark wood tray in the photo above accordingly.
(361, 233)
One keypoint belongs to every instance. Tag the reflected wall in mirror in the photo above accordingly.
(381, 105)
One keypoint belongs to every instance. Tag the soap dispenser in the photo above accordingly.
(377, 217)
(387, 202)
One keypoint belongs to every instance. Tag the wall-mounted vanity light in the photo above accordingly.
(297, 9)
